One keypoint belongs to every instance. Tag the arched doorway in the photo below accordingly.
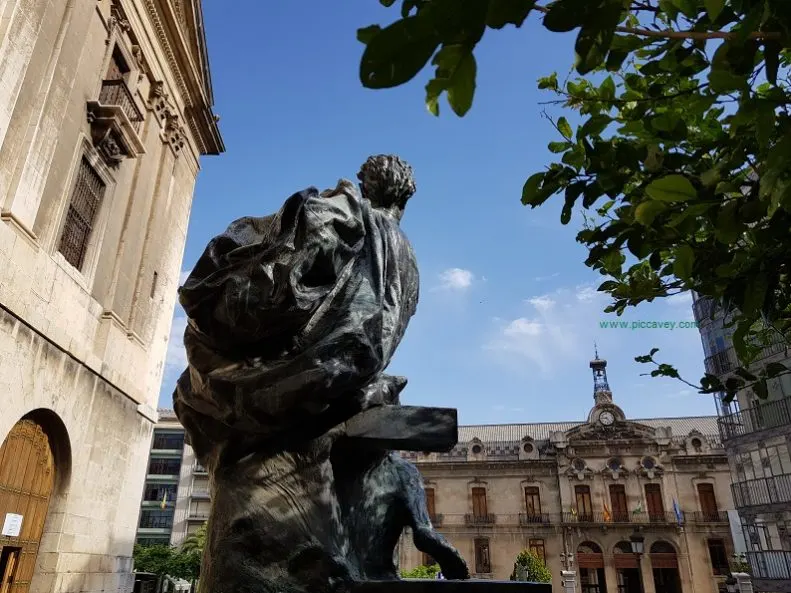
(664, 563)
(590, 561)
(627, 568)
(27, 479)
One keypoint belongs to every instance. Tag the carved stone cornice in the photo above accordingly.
(167, 48)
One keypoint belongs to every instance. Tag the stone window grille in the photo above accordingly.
(483, 564)
(84, 205)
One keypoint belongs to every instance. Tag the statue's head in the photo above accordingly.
(387, 182)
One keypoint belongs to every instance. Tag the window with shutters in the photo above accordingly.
(653, 499)
(479, 508)
(620, 512)
(81, 214)
(483, 563)
(708, 502)
(584, 505)
(532, 502)
(536, 546)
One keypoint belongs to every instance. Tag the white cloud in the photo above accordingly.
(542, 278)
(587, 293)
(176, 357)
(456, 279)
(542, 303)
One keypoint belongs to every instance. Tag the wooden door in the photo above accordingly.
(708, 502)
(653, 499)
(532, 502)
(479, 509)
(584, 505)
(27, 478)
(430, 505)
(620, 513)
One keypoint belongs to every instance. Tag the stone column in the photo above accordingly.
(568, 580)
(743, 582)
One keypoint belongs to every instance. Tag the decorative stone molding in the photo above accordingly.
(117, 20)
(614, 468)
(649, 468)
(170, 56)
(578, 468)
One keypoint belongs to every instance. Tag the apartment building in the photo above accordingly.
(756, 434)
(176, 493)
(105, 111)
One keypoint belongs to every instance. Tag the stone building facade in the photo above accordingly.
(756, 434)
(105, 110)
(577, 492)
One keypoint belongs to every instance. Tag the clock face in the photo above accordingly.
(606, 418)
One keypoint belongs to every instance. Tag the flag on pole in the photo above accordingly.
(607, 514)
(677, 511)
(164, 501)
(639, 509)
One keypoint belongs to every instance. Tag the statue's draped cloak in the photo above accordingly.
(292, 315)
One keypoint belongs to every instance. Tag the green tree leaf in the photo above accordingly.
(714, 8)
(647, 211)
(671, 188)
(397, 53)
(508, 12)
(365, 34)
(683, 262)
(461, 87)
(565, 128)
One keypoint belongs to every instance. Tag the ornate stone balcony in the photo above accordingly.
(478, 520)
(704, 517)
(115, 123)
(531, 519)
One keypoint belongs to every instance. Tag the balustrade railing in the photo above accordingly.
(707, 517)
(472, 519)
(722, 362)
(616, 517)
(534, 519)
(762, 491)
(763, 416)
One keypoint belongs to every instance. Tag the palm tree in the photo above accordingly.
(195, 541)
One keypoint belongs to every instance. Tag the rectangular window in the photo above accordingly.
(483, 563)
(708, 502)
(81, 215)
(430, 505)
(584, 505)
(156, 519)
(532, 502)
(537, 547)
(164, 467)
(653, 499)
(168, 441)
(718, 556)
(479, 508)
(160, 492)
(620, 512)
(118, 69)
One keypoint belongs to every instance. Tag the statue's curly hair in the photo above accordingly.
(387, 180)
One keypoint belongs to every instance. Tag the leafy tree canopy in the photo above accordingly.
(422, 572)
(165, 560)
(529, 567)
(681, 163)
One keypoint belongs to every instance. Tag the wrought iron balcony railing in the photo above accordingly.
(721, 363)
(200, 493)
(534, 519)
(198, 516)
(762, 491)
(770, 565)
(472, 519)
(115, 92)
(764, 416)
(707, 517)
(620, 517)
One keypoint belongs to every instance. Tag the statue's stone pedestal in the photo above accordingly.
(440, 586)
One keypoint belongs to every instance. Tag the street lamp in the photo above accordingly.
(638, 546)
(731, 584)
(638, 543)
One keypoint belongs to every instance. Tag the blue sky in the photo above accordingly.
(508, 312)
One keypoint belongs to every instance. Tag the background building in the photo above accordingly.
(176, 493)
(756, 434)
(105, 108)
(586, 488)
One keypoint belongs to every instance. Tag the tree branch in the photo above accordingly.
(697, 35)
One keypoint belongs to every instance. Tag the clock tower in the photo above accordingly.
(604, 411)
